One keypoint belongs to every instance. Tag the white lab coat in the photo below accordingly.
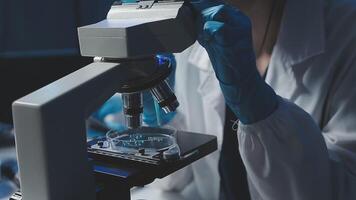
(306, 149)
(201, 110)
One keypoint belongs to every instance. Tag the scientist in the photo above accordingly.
(285, 69)
(297, 129)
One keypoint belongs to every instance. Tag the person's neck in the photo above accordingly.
(265, 26)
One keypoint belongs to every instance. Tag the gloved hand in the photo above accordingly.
(226, 34)
(113, 105)
(111, 112)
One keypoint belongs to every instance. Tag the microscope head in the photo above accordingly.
(139, 29)
(133, 34)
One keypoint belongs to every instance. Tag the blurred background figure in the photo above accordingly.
(39, 44)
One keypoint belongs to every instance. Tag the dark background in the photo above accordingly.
(39, 44)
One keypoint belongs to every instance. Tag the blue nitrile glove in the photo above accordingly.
(153, 115)
(113, 105)
(226, 34)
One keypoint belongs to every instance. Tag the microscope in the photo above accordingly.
(56, 160)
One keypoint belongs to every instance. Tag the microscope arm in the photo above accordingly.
(51, 135)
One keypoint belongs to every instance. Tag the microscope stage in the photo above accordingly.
(137, 169)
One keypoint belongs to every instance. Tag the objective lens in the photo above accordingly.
(133, 107)
(165, 97)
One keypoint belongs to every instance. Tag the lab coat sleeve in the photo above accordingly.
(286, 156)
